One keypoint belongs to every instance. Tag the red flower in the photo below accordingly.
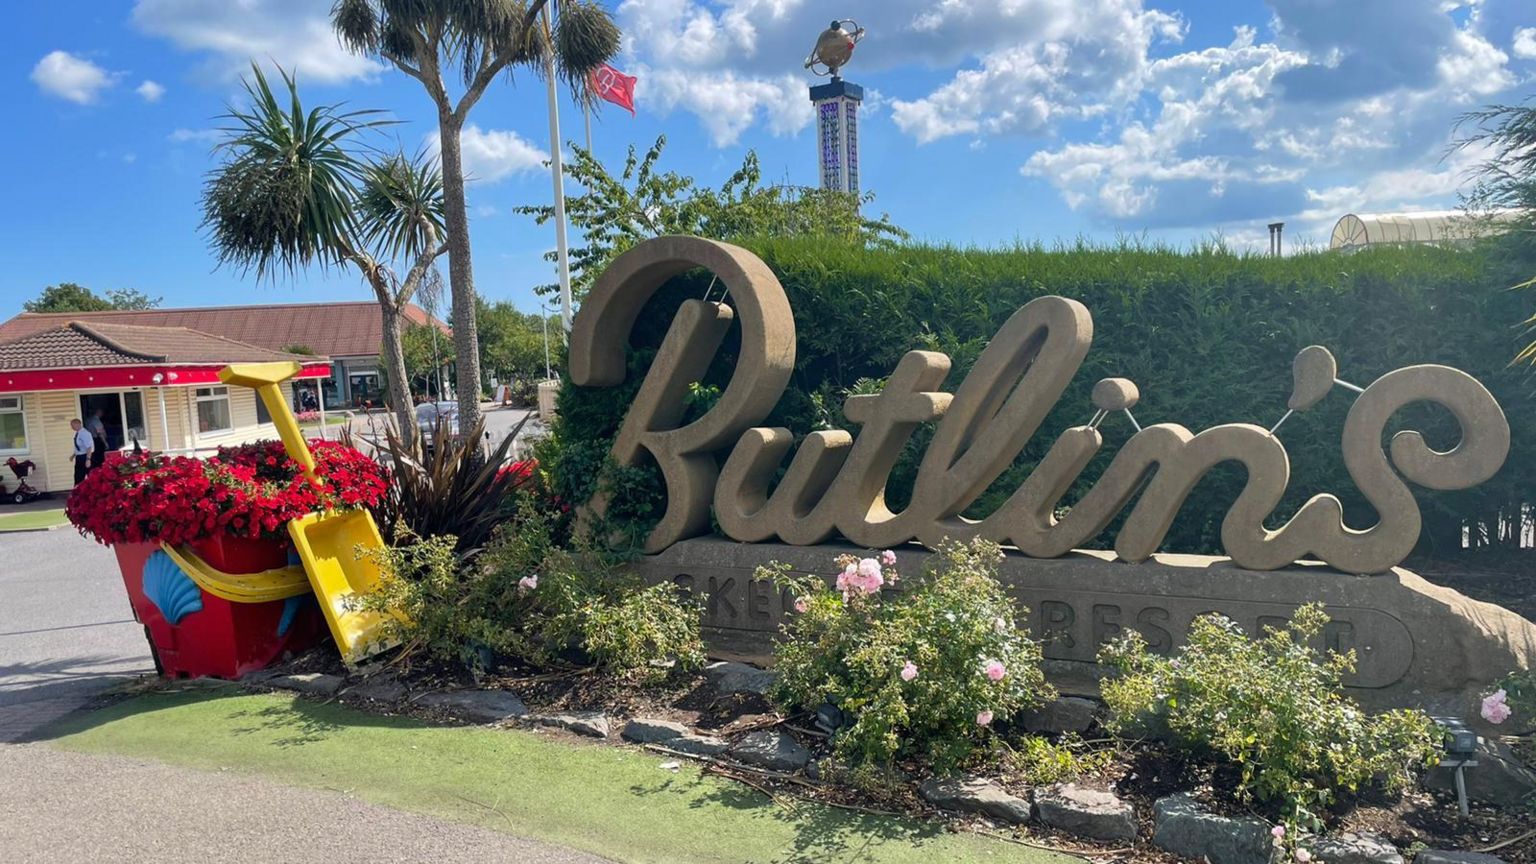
(246, 491)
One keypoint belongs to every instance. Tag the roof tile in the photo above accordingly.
(78, 345)
(352, 329)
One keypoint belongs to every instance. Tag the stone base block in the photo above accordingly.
(1416, 644)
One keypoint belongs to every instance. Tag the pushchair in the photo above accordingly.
(24, 491)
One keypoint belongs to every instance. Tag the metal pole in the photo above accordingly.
(562, 256)
(320, 401)
(544, 320)
(165, 424)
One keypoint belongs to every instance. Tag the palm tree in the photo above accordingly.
(293, 190)
(482, 38)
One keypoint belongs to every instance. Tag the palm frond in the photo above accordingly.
(400, 206)
(283, 195)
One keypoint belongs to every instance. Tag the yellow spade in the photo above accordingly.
(330, 544)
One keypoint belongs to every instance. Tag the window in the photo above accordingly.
(213, 410)
(13, 425)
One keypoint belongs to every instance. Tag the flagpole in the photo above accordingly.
(586, 117)
(562, 255)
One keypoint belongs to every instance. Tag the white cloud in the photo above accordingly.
(727, 103)
(1079, 60)
(724, 60)
(67, 76)
(295, 34)
(1325, 119)
(1524, 44)
(494, 154)
(150, 91)
(182, 136)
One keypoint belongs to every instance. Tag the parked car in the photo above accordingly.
(428, 413)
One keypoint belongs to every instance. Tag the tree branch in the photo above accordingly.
(429, 75)
(477, 87)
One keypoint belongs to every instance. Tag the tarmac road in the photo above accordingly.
(66, 630)
(66, 807)
(66, 633)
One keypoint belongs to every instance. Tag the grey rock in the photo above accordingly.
(775, 751)
(593, 724)
(1182, 827)
(1440, 856)
(1093, 813)
(1499, 777)
(643, 730)
(481, 706)
(1065, 714)
(975, 795)
(698, 745)
(314, 683)
(1353, 848)
(729, 676)
(379, 688)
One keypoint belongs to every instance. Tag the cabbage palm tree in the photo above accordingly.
(478, 40)
(295, 189)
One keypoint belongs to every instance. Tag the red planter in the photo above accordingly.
(193, 633)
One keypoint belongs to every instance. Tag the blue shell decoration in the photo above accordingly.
(172, 591)
(290, 610)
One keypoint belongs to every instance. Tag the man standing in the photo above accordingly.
(84, 446)
(95, 425)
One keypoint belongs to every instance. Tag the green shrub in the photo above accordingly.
(1206, 334)
(528, 601)
(1271, 707)
(1039, 761)
(849, 648)
(643, 631)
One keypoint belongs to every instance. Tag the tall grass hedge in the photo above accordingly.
(1207, 335)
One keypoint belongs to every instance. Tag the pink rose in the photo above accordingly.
(528, 583)
(909, 671)
(888, 558)
(1278, 832)
(1495, 710)
(995, 670)
(800, 605)
(1303, 856)
(984, 718)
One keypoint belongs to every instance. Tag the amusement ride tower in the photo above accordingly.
(837, 107)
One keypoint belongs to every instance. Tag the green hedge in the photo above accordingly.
(1207, 335)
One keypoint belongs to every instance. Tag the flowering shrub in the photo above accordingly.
(926, 672)
(527, 601)
(248, 491)
(1270, 707)
(307, 416)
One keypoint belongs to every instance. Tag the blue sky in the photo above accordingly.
(986, 122)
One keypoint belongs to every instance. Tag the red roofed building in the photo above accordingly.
(349, 334)
(155, 386)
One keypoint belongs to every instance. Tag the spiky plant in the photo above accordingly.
(1506, 179)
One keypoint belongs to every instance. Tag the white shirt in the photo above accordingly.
(83, 442)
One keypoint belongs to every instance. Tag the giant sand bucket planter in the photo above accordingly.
(220, 607)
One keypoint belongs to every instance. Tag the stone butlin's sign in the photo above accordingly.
(835, 483)
(833, 486)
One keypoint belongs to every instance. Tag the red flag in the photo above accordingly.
(614, 86)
